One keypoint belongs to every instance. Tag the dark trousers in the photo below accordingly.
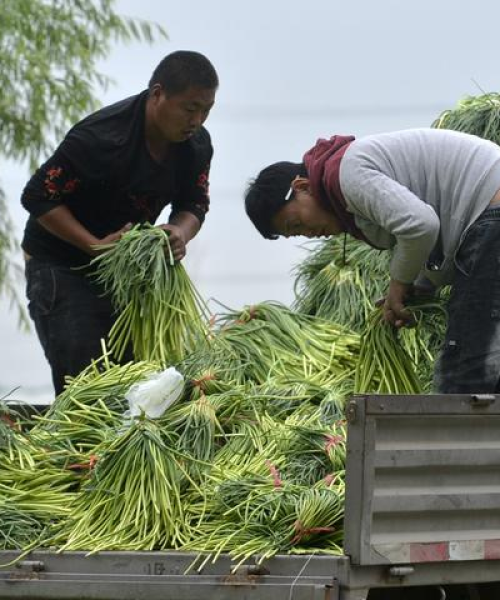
(70, 314)
(470, 359)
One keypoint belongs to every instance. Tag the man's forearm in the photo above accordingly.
(189, 224)
(61, 222)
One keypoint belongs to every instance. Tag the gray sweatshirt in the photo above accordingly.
(419, 190)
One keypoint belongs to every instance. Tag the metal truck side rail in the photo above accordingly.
(422, 508)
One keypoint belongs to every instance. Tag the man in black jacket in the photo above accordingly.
(119, 166)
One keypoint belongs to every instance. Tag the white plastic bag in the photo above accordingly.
(155, 394)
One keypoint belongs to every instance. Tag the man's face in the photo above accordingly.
(177, 117)
(304, 215)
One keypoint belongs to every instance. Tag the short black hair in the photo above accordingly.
(183, 69)
(266, 194)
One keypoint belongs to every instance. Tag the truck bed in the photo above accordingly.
(422, 508)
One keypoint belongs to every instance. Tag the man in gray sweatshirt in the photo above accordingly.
(433, 197)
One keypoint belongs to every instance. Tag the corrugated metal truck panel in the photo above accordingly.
(429, 483)
(422, 508)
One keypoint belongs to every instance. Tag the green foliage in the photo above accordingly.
(49, 52)
(477, 115)
(340, 280)
(9, 270)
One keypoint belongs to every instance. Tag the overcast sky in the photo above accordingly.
(290, 72)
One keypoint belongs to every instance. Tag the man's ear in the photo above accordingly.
(301, 184)
(156, 91)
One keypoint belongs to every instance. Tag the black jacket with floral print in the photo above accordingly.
(104, 174)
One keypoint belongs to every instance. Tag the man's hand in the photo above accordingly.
(394, 309)
(110, 239)
(177, 240)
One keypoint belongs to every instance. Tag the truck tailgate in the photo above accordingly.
(423, 479)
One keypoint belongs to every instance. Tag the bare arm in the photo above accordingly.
(394, 305)
(189, 224)
(61, 222)
(183, 226)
